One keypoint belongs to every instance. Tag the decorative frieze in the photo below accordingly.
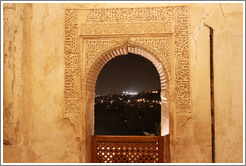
(182, 69)
(129, 28)
(71, 68)
(126, 15)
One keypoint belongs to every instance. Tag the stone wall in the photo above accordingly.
(35, 127)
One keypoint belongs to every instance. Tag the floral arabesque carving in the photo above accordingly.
(182, 72)
(161, 45)
(94, 47)
(126, 15)
(71, 68)
(128, 21)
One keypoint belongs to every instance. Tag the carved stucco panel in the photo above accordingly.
(72, 111)
(126, 15)
(161, 46)
(182, 69)
(93, 48)
(129, 28)
(128, 21)
(94, 23)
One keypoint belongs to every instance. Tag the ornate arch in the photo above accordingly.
(163, 30)
(124, 49)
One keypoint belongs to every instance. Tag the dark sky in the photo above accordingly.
(127, 73)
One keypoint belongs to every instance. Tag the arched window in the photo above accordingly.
(127, 98)
(98, 141)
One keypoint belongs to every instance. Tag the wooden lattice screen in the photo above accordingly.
(127, 149)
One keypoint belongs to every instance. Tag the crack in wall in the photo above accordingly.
(196, 33)
(211, 37)
(212, 94)
(211, 41)
(222, 11)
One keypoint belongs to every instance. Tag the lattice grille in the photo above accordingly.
(125, 150)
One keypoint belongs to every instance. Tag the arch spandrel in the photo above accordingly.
(159, 46)
(124, 49)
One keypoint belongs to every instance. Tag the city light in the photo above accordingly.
(130, 108)
(129, 93)
(139, 100)
(131, 98)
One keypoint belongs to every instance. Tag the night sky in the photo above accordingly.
(127, 73)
